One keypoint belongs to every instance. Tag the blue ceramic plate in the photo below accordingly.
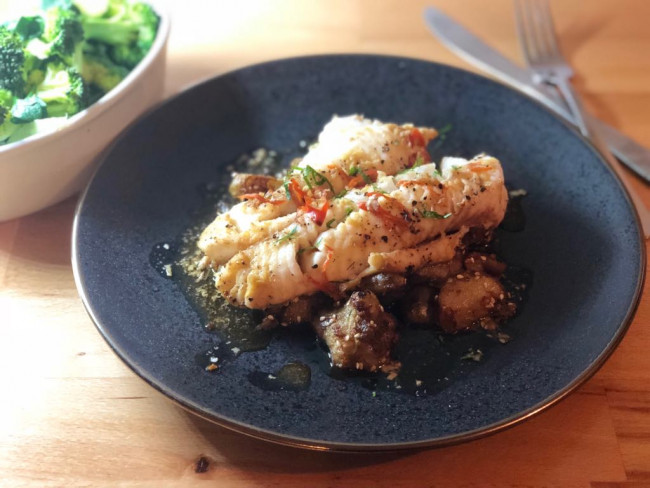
(581, 244)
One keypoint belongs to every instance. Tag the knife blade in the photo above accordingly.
(474, 50)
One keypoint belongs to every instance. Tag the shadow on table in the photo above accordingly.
(44, 236)
(263, 456)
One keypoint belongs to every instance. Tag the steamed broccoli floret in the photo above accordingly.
(116, 26)
(6, 126)
(128, 27)
(63, 90)
(63, 35)
(28, 109)
(12, 62)
(147, 20)
(29, 27)
(55, 64)
(98, 69)
(39, 126)
(126, 55)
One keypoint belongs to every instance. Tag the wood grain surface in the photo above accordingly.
(71, 414)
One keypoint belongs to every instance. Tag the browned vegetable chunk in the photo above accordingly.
(484, 263)
(359, 335)
(471, 301)
(437, 274)
(245, 183)
(388, 286)
(418, 305)
(301, 310)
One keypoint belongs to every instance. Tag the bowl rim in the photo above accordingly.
(109, 99)
(362, 447)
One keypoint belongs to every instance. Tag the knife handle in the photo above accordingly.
(627, 151)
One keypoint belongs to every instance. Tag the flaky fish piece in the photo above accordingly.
(409, 219)
(349, 152)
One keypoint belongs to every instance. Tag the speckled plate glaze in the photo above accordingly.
(582, 243)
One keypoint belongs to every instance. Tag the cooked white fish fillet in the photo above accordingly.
(418, 206)
(368, 145)
(349, 142)
(399, 221)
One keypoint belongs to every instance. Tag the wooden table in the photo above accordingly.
(72, 414)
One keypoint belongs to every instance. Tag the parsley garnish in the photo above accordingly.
(365, 177)
(432, 214)
(314, 178)
(354, 170)
(288, 236)
(419, 161)
(442, 135)
(348, 211)
(329, 223)
(306, 249)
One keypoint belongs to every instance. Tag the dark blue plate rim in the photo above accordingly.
(318, 445)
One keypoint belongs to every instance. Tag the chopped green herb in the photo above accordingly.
(432, 214)
(419, 161)
(348, 211)
(286, 189)
(354, 170)
(442, 135)
(374, 394)
(365, 177)
(306, 249)
(314, 178)
(329, 223)
(289, 235)
(445, 130)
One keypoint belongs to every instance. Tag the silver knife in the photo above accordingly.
(469, 47)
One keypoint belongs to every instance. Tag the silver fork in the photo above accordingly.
(538, 40)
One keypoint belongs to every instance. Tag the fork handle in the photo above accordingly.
(590, 130)
(572, 99)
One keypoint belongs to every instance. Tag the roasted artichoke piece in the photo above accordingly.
(419, 305)
(484, 263)
(388, 286)
(438, 274)
(472, 301)
(359, 335)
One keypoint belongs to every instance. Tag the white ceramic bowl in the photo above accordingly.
(44, 169)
